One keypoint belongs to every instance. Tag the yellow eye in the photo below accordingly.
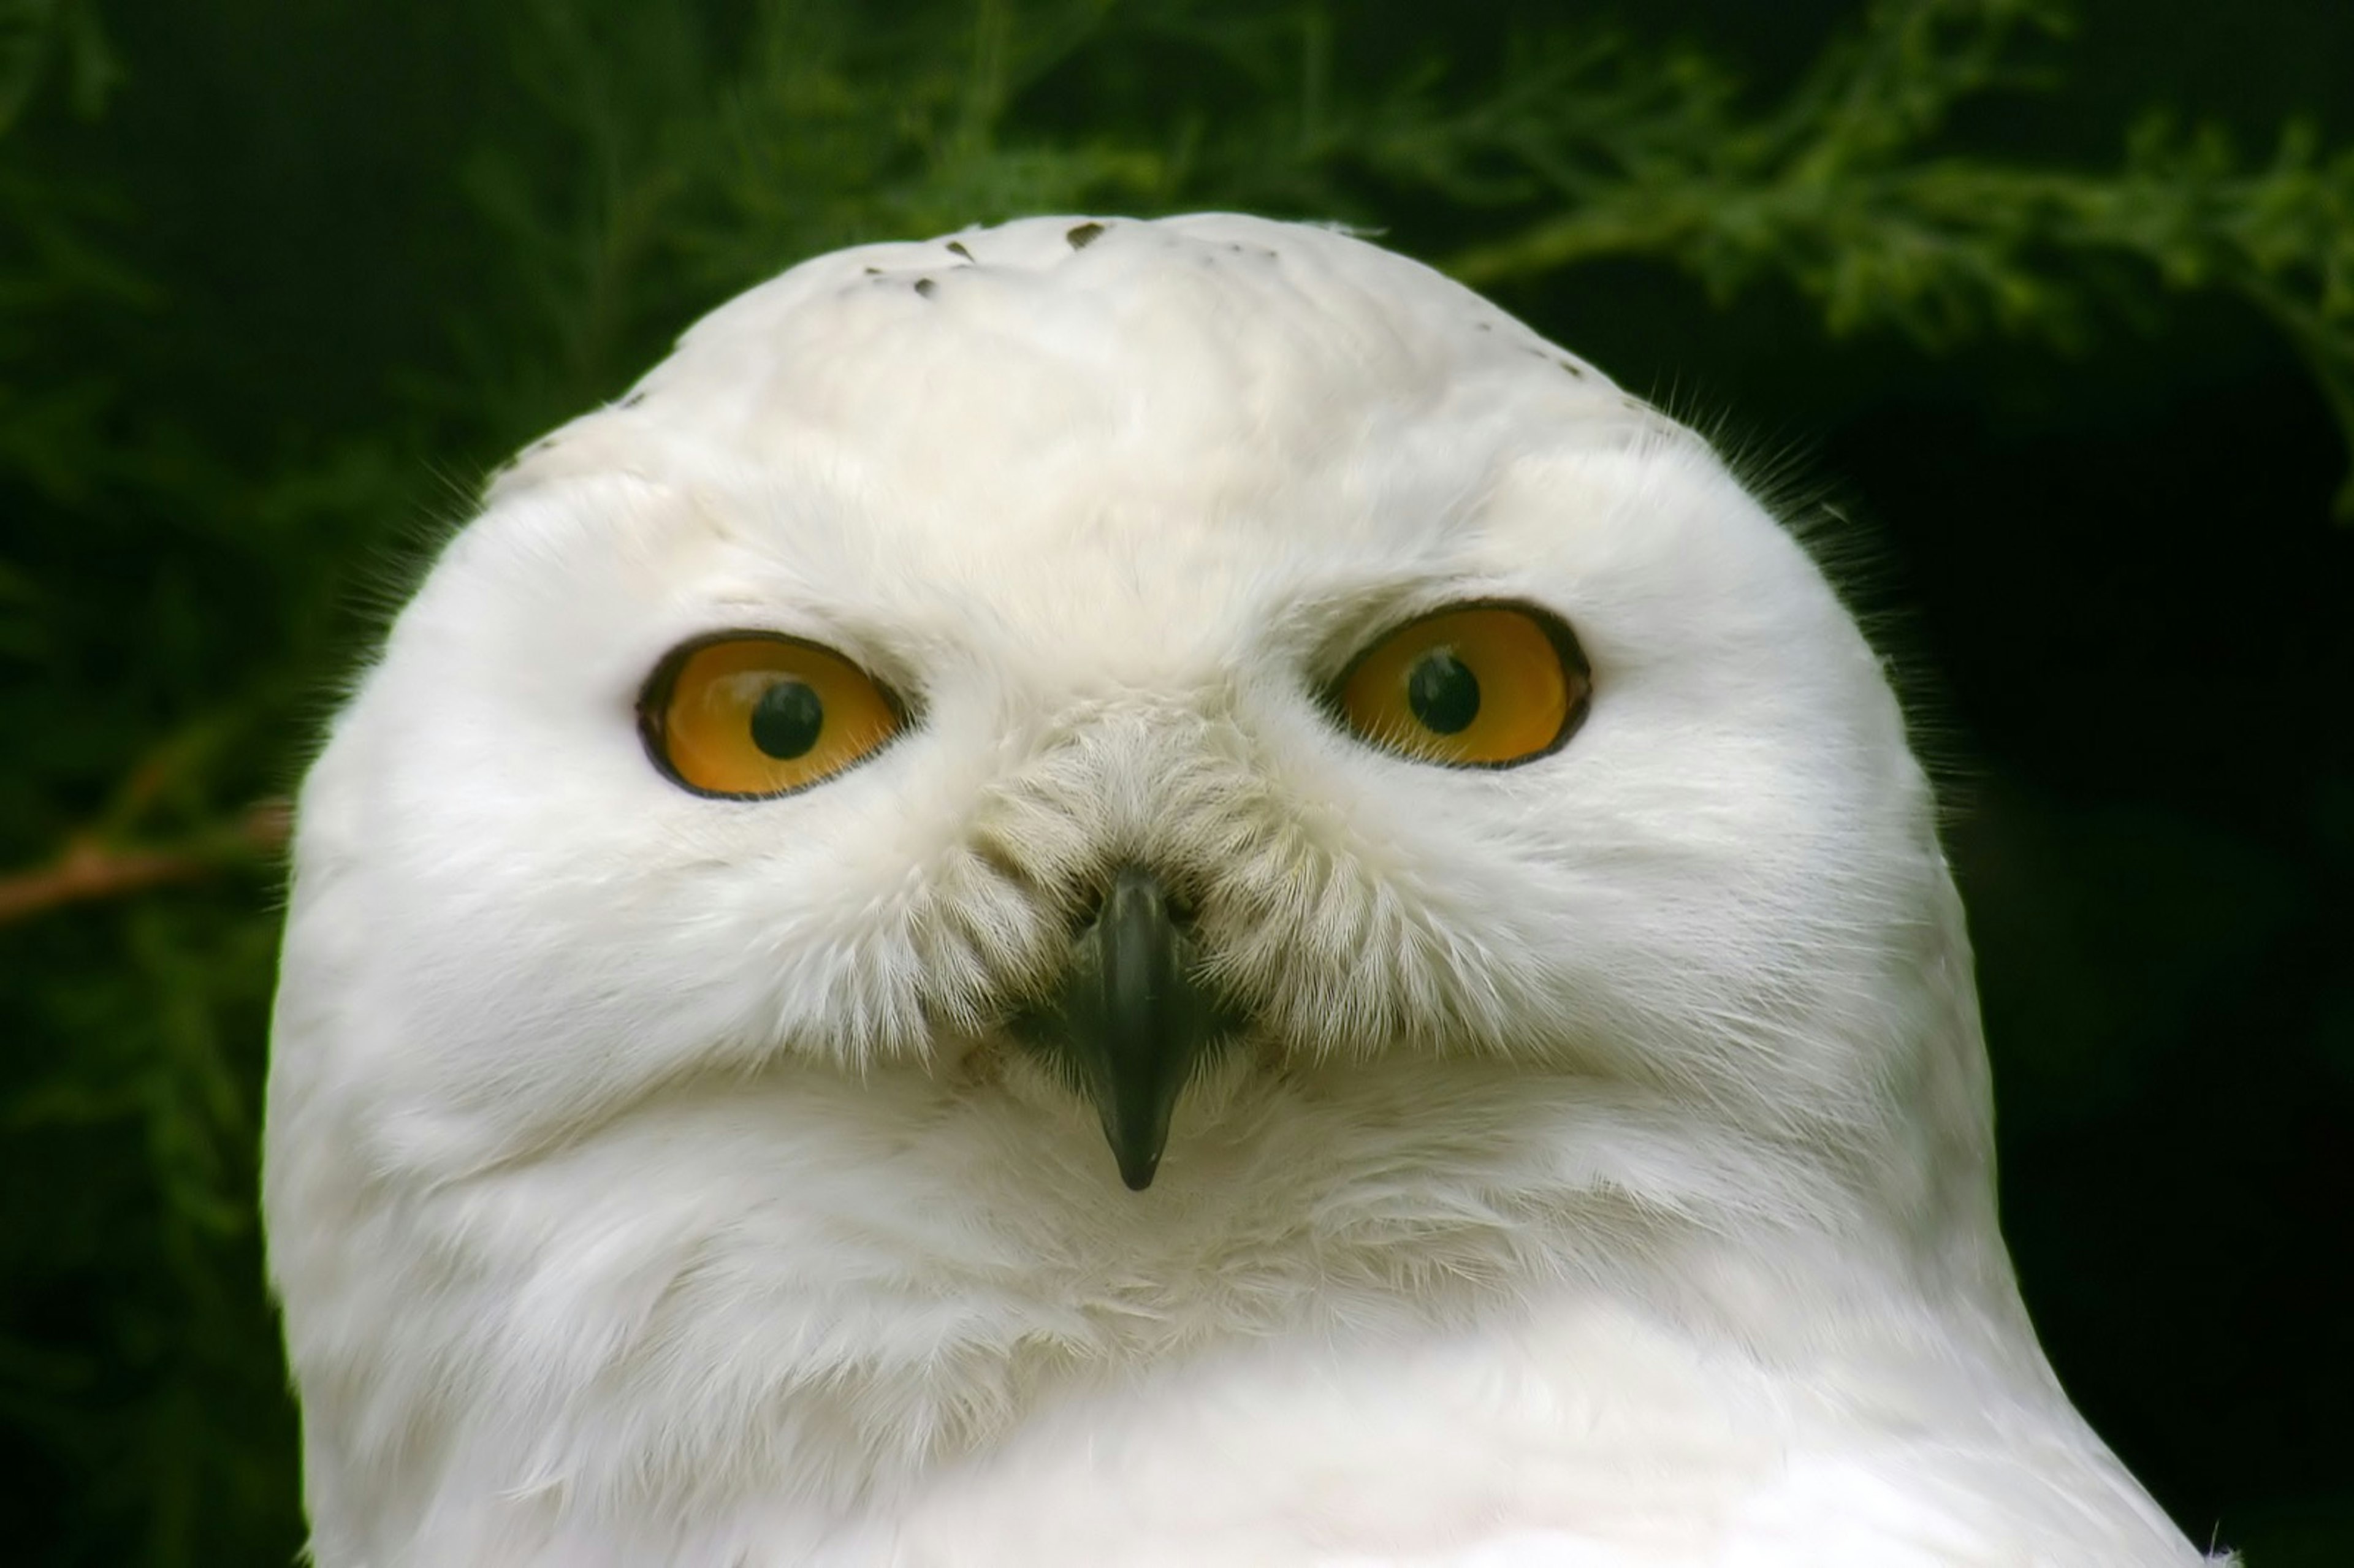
(1480, 686)
(750, 713)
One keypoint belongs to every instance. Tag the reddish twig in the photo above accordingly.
(88, 869)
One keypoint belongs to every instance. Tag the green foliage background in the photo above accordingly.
(2056, 304)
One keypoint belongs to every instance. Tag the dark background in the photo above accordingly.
(278, 282)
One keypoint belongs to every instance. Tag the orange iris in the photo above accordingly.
(1482, 685)
(754, 714)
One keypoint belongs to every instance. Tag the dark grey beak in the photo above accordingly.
(1131, 1023)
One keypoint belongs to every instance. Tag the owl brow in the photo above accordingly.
(861, 640)
(1338, 626)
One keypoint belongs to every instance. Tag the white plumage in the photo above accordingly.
(1597, 1169)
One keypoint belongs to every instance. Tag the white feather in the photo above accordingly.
(649, 1180)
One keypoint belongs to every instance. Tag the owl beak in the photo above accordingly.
(1130, 1022)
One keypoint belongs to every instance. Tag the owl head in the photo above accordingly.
(1039, 798)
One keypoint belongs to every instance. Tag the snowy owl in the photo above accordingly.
(1142, 892)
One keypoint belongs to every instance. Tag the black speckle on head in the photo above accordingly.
(956, 247)
(924, 286)
(872, 272)
(1573, 367)
(1484, 326)
(1085, 234)
(634, 399)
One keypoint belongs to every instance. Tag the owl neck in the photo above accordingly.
(788, 1294)
(863, 1333)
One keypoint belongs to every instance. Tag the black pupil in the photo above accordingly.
(787, 719)
(1443, 691)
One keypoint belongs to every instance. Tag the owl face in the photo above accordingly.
(1028, 803)
(1116, 671)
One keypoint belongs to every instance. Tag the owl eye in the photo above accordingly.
(1477, 685)
(752, 714)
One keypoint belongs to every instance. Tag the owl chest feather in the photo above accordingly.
(689, 1341)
